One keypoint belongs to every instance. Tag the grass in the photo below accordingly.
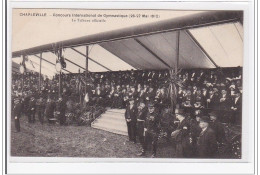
(36, 140)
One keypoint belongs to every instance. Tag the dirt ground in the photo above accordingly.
(75, 141)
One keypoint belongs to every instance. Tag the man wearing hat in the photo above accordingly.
(182, 135)
(40, 104)
(141, 117)
(195, 131)
(61, 108)
(50, 108)
(224, 100)
(130, 117)
(32, 109)
(207, 143)
(151, 130)
(150, 95)
(26, 101)
(217, 127)
(167, 122)
(17, 114)
(212, 99)
(236, 107)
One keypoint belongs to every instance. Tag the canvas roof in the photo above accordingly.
(216, 45)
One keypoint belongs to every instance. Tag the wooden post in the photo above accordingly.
(176, 70)
(22, 82)
(59, 58)
(177, 51)
(23, 64)
(86, 71)
(40, 75)
(60, 84)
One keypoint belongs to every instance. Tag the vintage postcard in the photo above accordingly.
(126, 84)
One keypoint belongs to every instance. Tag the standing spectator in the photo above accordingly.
(151, 130)
(182, 135)
(236, 107)
(130, 117)
(167, 123)
(207, 143)
(212, 100)
(49, 110)
(40, 105)
(17, 114)
(141, 116)
(218, 128)
(31, 110)
(61, 108)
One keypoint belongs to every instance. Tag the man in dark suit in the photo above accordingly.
(207, 143)
(141, 116)
(236, 107)
(217, 127)
(49, 109)
(150, 95)
(31, 110)
(182, 135)
(130, 117)
(151, 130)
(61, 108)
(40, 104)
(17, 114)
(167, 123)
(212, 99)
(224, 101)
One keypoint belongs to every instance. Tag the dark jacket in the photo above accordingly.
(61, 107)
(141, 114)
(184, 127)
(152, 125)
(207, 144)
(131, 113)
(219, 130)
(40, 104)
(237, 104)
(214, 101)
(32, 105)
(225, 105)
(167, 121)
(17, 110)
(49, 110)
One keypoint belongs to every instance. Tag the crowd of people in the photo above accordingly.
(205, 97)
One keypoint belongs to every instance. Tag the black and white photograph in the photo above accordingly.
(145, 84)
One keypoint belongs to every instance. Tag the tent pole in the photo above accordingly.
(174, 101)
(40, 75)
(60, 84)
(86, 69)
(177, 52)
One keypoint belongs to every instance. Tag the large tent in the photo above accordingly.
(202, 40)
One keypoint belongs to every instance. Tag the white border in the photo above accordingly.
(175, 166)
